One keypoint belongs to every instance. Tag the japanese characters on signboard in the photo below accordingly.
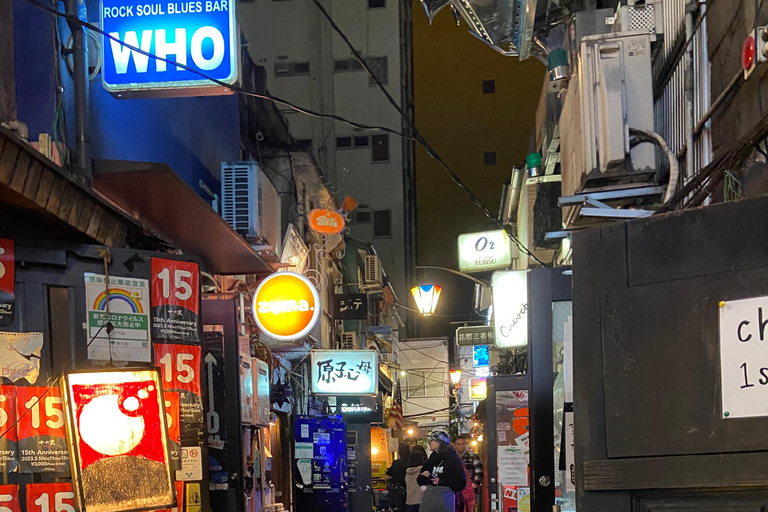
(345, 372)
(175, 301)
(46, 497)
(475, 335)
(118, 435)
(350, 306)
(42, 440)
(9, 450)
(128, 302)
(7, 279)
(20, 355)
(9, 498)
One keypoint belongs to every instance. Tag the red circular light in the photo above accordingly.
(748, 53)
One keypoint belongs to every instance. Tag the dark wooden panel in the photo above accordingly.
(701, 502)
(661, 368)
(97, 217)
(7, 161)
(44, 190)
(677, 246)
(684, 472)
(33, 180)
(23, 162)
(54, 198)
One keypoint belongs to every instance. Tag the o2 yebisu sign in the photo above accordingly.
(200, 34)
(286, 306)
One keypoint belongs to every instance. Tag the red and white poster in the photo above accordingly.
(180, 366)
(9, 450)
(172, 419)
(7, 273)
(50, 497)
(42, 439)
(175, 301)
(9, 498)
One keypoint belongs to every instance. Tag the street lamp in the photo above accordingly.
(426, 297)
(456, 376)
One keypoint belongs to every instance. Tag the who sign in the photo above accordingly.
(199, 34)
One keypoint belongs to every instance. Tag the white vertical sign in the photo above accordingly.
(743, 357)
(510, 308)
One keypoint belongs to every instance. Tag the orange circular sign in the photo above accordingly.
(326, 221)
(286, 306)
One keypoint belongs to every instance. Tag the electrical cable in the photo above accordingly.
(418, 137)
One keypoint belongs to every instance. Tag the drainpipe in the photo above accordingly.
(689, 92)
(76, 9)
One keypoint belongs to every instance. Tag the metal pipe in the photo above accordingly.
(689, 93)
(515, 190)
(737, 80)
(73, 10)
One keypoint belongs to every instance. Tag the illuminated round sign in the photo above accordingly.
(286, 306)
(326, 221)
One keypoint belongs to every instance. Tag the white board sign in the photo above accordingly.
(510, 308)
(744, 357)
(489, 250)
(513, 466)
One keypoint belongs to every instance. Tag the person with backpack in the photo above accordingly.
(442, 476)
(413, 492)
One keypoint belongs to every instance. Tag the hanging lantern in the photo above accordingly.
(426, 297)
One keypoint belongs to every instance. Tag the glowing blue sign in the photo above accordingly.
(201, 34)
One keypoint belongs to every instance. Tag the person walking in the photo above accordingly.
(442, 476)
(474, 468)
(413, 492)
(396, 473)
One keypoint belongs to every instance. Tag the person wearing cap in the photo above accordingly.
(442, 476)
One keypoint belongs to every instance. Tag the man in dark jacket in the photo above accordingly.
(444, 469)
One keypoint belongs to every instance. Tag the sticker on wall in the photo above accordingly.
(9, 450)
(129, 313)
(7, 282)
(20, 355)
(175, 301)
(42, 439)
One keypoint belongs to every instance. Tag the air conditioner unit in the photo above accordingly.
(250, 204)
(348, 340)
(640, 15)
(372, 276)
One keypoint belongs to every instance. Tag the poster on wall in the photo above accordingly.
(175, 301)
(129, 313)
(172, 419)
(7, 280)
(20, 355)
(9, 498)
(215, 424)
(47, 497)
(180, 368)
(9, 452)
(42, 440)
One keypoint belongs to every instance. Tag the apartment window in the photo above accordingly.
(380, 69)
(347, 65)
(382, 223)
(305, 143)
(424, 383)
(343, 142)
(363, 217)
(291, 68)
(489, 86)
(377, 4)
(380, 148)
(489, 157)
(361, 141)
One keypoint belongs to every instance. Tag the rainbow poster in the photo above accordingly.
(125, 303)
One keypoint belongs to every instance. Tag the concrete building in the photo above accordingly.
(315, 68)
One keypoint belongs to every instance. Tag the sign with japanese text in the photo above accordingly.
(9, 452)
(118, 433)
(475, 335)
(327, 222)
(261, 380)
(510, 308)
(42, 439)
(58, 497)
(489, 250)
(7, 282)
(481, 357)
(9, 498)
(200, 34)
(345, 372)
(743, 363)
(175, 301)
(128, 300)
(20, 355)
(286, 306)
(350, 306)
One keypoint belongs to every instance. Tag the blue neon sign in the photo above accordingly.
(201, 34)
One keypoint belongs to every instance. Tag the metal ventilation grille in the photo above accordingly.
(642, 18)
(237, 203)
(348, 340)
(372, 269)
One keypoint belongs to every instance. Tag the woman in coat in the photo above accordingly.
(442, 476)
(413, 491)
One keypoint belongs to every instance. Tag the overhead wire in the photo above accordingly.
(416, 137)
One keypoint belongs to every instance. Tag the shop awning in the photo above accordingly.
(159, 198)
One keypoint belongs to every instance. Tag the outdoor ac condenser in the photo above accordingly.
(611, 93)
(250, 203)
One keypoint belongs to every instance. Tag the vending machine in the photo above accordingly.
(320, 464)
